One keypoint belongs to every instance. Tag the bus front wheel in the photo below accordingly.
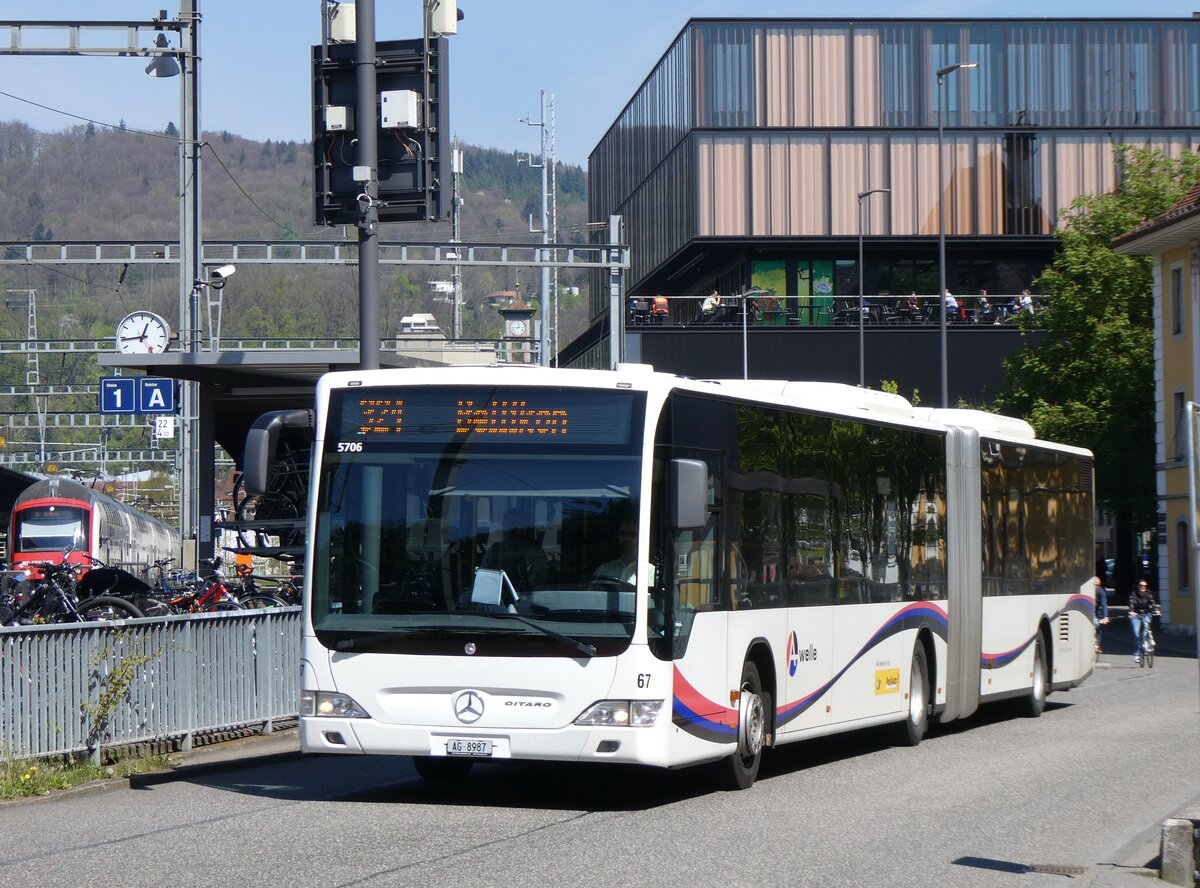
(754, 707)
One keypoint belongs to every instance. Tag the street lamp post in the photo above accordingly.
(941, 296)
(862, 195)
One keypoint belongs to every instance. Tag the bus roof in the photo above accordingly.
(826, 397)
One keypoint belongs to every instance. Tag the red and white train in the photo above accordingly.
(55, 515)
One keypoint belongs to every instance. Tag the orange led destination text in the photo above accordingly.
(503, 417)
(381, 416)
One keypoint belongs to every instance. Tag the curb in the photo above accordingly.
(224, 759)
(95, 787)
(199, 769)
(152, 778)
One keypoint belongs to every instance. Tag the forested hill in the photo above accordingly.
(92, 183)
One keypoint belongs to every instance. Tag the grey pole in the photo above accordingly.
(456, 169)
(862, 374)
(745, 342)
(616, 296)
(368, 157)
(189, 276)
(544, 301)
(1194, 504)
(941, 202)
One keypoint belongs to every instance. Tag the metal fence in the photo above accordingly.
(79, 688)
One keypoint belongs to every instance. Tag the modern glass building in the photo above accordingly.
(738, 163)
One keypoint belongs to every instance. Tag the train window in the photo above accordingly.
(51, 528)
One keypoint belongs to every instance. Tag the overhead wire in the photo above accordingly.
(114, 126)
(234, 180)
(126, 129)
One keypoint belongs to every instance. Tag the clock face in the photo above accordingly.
(516, 328)
(142, 333)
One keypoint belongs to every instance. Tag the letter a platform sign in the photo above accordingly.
(137, 394)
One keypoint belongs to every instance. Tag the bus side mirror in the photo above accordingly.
(689, 494)
(261, 441)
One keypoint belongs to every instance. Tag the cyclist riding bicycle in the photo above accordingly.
(1143, 605)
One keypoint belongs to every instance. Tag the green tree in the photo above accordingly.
(1090, 380)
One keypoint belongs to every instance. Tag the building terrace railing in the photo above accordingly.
(762, 309)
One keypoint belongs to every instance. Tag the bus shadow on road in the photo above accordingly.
(511, 784)
(554, 786)
(796, 757)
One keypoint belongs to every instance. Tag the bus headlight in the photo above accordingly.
(330, 705)
(621, 713)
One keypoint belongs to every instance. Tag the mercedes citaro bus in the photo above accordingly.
(628, 566)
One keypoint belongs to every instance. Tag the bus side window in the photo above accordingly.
(695, 569)
(695, 585)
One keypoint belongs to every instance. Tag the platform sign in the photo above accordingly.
(137, 394)
(118, 394)
(156, 395)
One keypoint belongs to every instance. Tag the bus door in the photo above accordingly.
(688, 622)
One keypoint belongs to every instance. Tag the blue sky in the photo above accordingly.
(255, 75)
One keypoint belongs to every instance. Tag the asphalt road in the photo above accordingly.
(979, 803)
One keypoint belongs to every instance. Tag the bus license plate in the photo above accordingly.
(469, 747)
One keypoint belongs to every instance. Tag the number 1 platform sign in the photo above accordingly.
(137, 394)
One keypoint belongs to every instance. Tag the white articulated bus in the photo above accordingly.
(628, 566)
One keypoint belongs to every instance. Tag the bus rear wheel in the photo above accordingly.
(1033, 705)
(754, 707)
(911, 731)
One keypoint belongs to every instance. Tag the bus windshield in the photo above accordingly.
(406, 520)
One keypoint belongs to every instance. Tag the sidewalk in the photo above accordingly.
(1136, 863)
(1117, 638)
(244, 752)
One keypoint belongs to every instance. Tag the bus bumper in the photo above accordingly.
(574, 743)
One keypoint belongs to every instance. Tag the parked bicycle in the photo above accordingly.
(104, 579)
(191, 593)
(284, 591)
(54, 598)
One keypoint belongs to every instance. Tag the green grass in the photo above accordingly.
(20, 779)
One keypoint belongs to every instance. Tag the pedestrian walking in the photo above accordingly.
(1100, 611)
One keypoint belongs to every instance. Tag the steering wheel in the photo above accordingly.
(613, 584)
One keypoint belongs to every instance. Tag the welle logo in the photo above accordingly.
(795, 655)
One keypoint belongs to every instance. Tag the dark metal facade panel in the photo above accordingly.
(908, 356)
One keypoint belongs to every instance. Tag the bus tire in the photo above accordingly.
(911, 731)
(438, 767)
(741, 768)
(1035, 703)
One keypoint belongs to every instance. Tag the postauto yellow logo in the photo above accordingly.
(887, 681)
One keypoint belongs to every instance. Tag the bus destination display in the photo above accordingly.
(563, 416)
(499, 417)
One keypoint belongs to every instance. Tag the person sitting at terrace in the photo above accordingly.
(951, 306)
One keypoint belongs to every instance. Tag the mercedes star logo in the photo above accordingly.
(468, 707)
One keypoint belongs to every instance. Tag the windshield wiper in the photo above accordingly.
(586, 650)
